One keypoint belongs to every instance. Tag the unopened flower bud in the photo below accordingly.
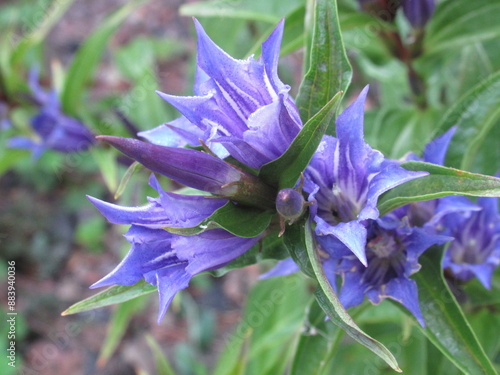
(290, 204)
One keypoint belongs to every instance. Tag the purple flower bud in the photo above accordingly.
(418, 12)
(198, 170)
(290, 204)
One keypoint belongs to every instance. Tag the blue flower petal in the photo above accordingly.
(282, 268)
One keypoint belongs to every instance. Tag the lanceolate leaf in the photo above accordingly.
(460, 22)
(285, 171)
(440, 182)
(476, 115)
(87, 59)
(256, 10)
(113, 295)
(446, 325)
(332, 306)
(329, 70)
(241, 221)
(317, 343)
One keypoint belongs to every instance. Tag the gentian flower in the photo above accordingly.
(418, 12)
(344, 180)
(475, 251)
(239, 104)
(54, 129)
(428, 214)
(392, 252)
(167, 260)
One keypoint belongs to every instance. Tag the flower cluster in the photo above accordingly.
(241, 109)
(54, 130)
(367, 255)
(242, 117)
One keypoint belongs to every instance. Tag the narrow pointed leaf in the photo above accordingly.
(329, 70)
(88, 57)
(113, 295)
(440, 182)
(457, 23)
(117, 327)
(241, 221)
(163, 367)
(331, 304)
(126, 178)
(256, 10)
(39, 33)
(446, 325)
(285, 171)
(317, 343)
(477, 118)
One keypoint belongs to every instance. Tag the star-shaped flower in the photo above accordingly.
(392, 251)
(167, 260)
(54, 130)
(239, 104)
(475, 251)
(345, 178)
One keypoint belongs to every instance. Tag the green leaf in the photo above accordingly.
(293, 238)
(39, 33)
(440, 182)
(126, 178)
(256, 10)
(241, 221)
(446, 325)
(106, 161)
(332, 306)
(317, 343)
(113, 295)
(117, 328)
(457, 23)
(285, 171)
(476, 116)
(163, 367)
(329, 70)
(87, 58)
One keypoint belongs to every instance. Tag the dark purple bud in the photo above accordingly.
(418, 12)
(196, 169)
(290, 204)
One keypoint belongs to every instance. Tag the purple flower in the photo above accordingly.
(239, 104)
(163, 259)
(54, 130)
(345, 178)
(392, 253)
(428, 214)
(475, 251)
(418, 12)
(198, 170)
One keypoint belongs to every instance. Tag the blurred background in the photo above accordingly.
(58, 240)
(105, 59)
